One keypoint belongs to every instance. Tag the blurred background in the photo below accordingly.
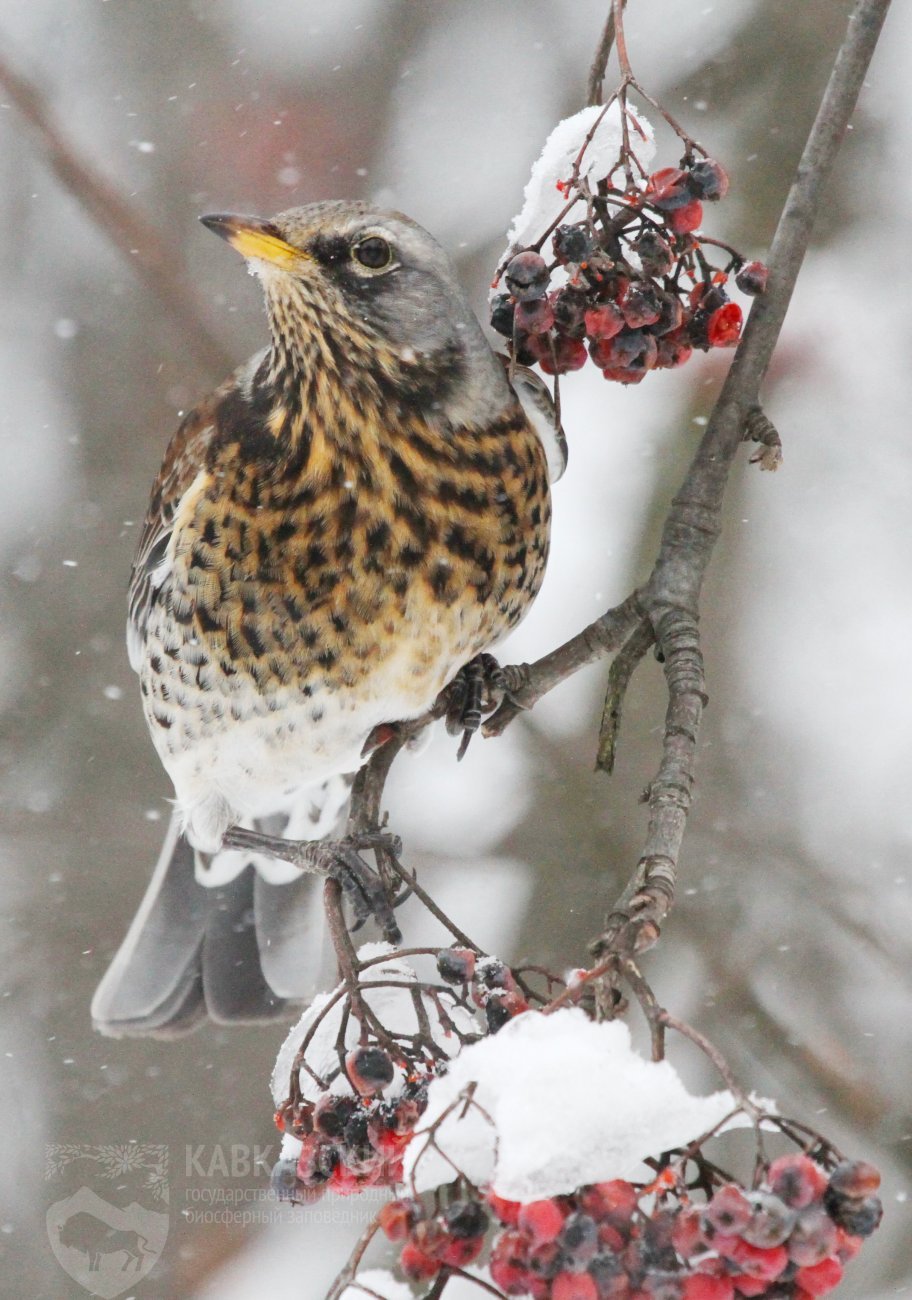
(790, 945)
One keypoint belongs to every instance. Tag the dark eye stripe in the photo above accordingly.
(373, 252)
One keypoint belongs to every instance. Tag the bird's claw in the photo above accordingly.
(477, 689)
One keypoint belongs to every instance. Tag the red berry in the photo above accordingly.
(855, 1179)
(683, 220)
(757, 1261)
(701, 1286)
(847, 1247)
(569, 354)
(574, 1286)
(752, 277)
(611, 1237)
(506, 1211)
(460, 1251)
(534, 317)
(668, 189)
(729, 1210)
(751, 1286)
(396, 1218)
(814, 1237)
(623, 374)
(818, 1279)
(673, 350)
(417, 1266)
(641, 306)
(687, 1235)
(797, 1180)
(708, 179)
(724, 326)
(604, 321)
(617, 1198)
(508, 1263)
(543, 1220)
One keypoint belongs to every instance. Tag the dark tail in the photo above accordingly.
(234, 952)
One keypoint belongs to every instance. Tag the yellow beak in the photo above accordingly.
(255, 237)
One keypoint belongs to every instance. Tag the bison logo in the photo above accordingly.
(103, 1247)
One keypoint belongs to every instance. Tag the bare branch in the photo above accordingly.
(622, 669)
(529, 682)
(154, 259)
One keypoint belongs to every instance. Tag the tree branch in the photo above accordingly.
(671, 596)
(155, 260)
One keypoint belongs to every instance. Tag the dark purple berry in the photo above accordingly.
(502, 309)
(859, 1218)
(496, 1014)
(752, 278)
(708, 179)
(656, 257)
(284, 1179)
(572, 243)
(855, 1178)
(369, 1069)
(579, 1240)
(569, 307)
(333, 1113)
(466, 1219)
(527, 276)
(642, 306)
(456, 965)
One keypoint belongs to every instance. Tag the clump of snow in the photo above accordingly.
(393, 1007)
(543, 202)
(558, 1101)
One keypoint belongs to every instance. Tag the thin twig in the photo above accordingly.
(622, 669)
(155, 259)
(600, 62)
(599, 639)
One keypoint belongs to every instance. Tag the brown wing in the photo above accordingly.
(185, 457)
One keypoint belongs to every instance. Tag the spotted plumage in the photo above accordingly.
(352, 517)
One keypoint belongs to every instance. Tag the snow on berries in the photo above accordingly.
(605, 250)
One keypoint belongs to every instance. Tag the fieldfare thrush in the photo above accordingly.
(357, 513)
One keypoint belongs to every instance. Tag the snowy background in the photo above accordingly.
(790, 945)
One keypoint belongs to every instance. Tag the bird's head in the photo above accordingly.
(348, 286)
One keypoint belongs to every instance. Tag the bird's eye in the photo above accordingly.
(373, 252)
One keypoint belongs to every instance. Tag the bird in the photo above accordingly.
(354, 516)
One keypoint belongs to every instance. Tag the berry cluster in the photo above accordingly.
(629, 287)
(486, 981)
(452, 1237)
(789, 1238)
(353, 1140)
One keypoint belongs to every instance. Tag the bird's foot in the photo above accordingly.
(477, 689)
(337, 860)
